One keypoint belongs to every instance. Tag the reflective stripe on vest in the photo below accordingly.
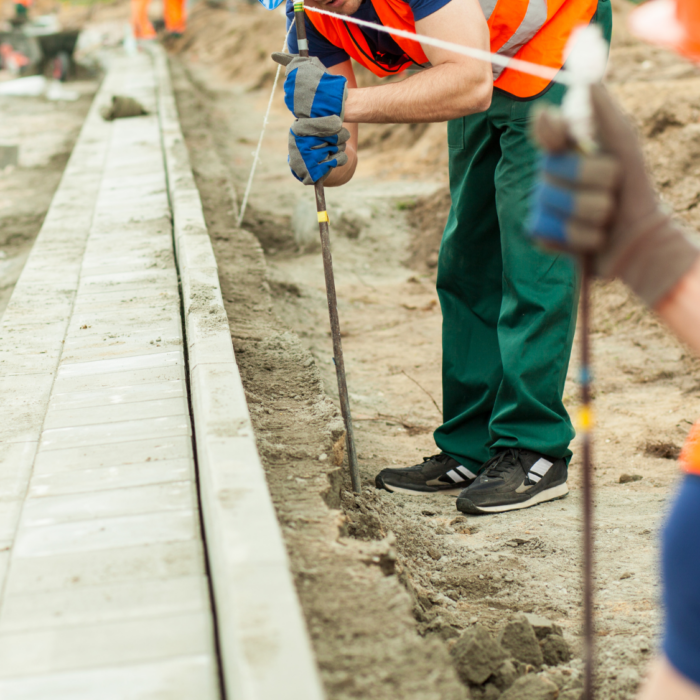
(532, 30)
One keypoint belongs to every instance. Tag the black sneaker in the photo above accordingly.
(439, 473)
(515, 479)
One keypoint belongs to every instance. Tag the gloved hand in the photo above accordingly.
(316, 146)
(605, 204)
(310, 91)
(317, 138)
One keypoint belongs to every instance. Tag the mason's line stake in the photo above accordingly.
(299, 21)
(585, 427)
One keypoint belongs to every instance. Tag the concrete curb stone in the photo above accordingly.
(265, 649)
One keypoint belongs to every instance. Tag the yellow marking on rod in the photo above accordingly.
(323, 217)
(585, 419)
(298, 6)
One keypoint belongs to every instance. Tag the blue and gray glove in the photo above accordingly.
(317, 138)
(605, 204)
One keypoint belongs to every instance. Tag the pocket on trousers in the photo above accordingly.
(455, 133)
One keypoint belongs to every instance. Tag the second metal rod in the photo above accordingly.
(299, 21)
(586, 427)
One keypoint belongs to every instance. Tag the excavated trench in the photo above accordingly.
(403, 596)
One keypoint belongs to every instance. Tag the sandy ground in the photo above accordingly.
(45, 133)
(388, 582)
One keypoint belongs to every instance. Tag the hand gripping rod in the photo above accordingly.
(299, 21)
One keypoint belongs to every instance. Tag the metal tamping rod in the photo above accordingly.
(586, 427)
(323, 225)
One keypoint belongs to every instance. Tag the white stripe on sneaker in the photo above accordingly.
(540, 467)
(456, 478)
(465, 472)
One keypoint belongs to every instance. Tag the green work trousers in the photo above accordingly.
(509, 308)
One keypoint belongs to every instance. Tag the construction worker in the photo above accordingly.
(605, 204)
(141, 25)
(22, 11)
(174, 15)
(509, 310)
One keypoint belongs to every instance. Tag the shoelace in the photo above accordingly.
(501, 463)
(442, 457)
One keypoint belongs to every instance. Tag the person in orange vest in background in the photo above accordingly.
(22, 9)
(174, 14)
(509, 310)
(141, 25)
(605, 204)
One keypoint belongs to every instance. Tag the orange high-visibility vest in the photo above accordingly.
(690, 454)
(531, 30)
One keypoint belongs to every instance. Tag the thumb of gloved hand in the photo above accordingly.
(284, 59)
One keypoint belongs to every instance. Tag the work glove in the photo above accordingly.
(604, 204)
(317, 138)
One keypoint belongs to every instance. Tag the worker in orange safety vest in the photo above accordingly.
(174, 14)
(509, 309)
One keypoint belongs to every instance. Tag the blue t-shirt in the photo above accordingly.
(383, 47)
(680, 575)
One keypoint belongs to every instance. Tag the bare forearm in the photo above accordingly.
(437, 94)
(680, 310)
(339, 176)
(665, 683)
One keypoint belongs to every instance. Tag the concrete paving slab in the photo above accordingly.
(89, 605)
(181, 678)
(9, 517)
(16, 460)
(110, 380)
(25, 400)
(130, 452)
(155, 391)
(135, 500)
(111, 433)
(108, 322)
(161, 337)
(67, 648)
(73, 570)
(102, 367)
(131, 280)
(119, 477)
(134, 299)
(4, 558)
(108, 533)
(255, 601)
(72, 417)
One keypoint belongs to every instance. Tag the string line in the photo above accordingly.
(256, 154)
(551, 74)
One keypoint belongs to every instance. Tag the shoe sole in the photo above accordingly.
(381, 484)
(552, 494)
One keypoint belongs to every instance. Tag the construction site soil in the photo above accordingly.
(404, 596)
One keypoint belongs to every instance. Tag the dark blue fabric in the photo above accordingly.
(681, 575)
(313, 151)
(383, 47)
(328, 100)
